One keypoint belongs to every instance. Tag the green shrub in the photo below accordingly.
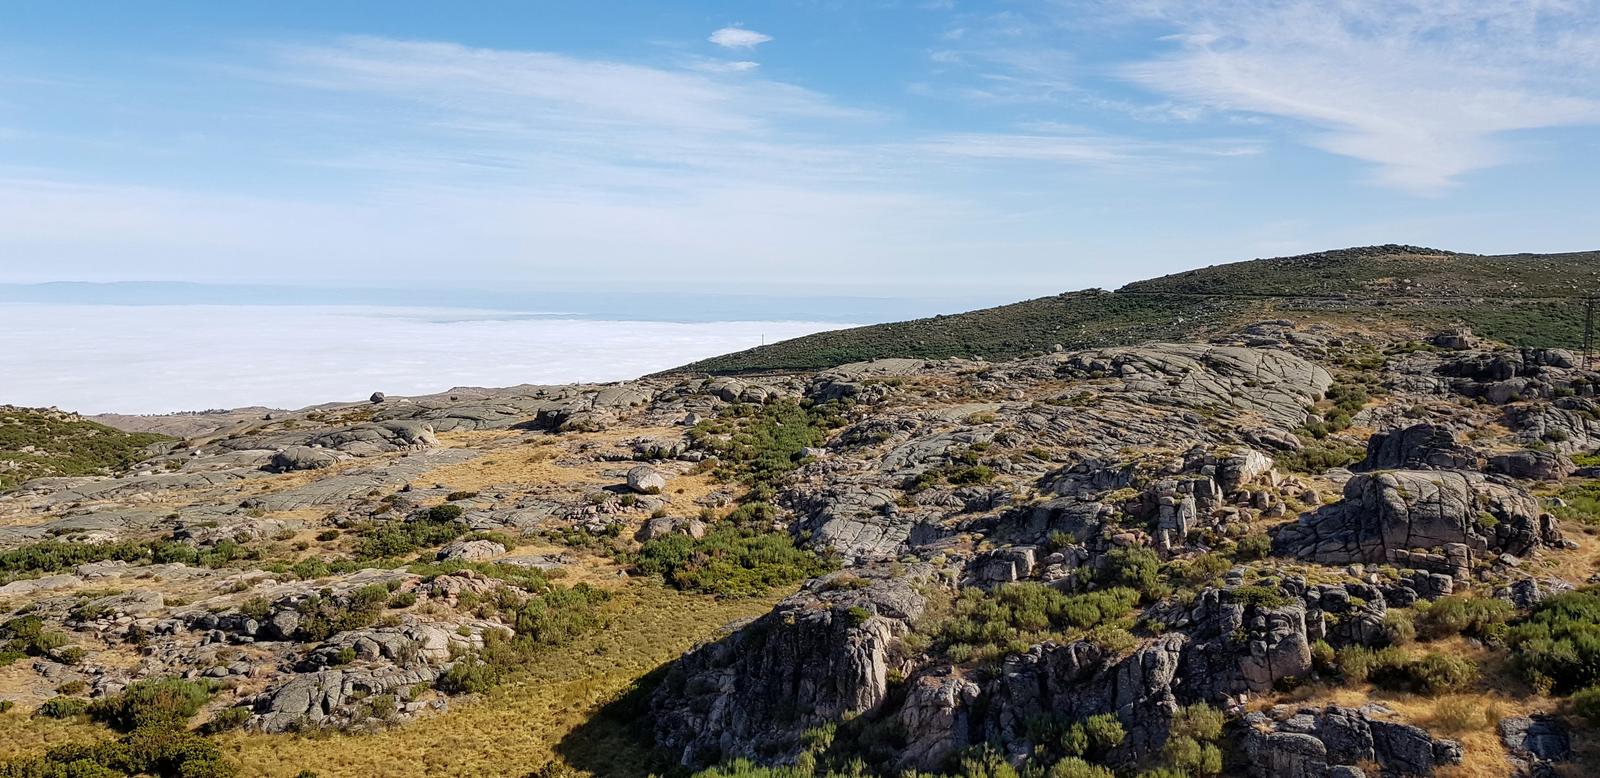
(1559, 642)
(322, 617)
(62, 707)
(1399, 627)
(1189, 757)
(730, 560)
(153, 702)
(1318, 456)
(1073, 767)
(1260, 596)
(400, 600)
(1136, 568)
(987, 624)
(1586, 703)
(1580, 502)
(1478, 617)
(397, 538)
(27, 636)
(1105, 732)
(1252, 547)
(759, 444)
(227, 719)
(469, 675)
(1394, 668)
(1200, 722)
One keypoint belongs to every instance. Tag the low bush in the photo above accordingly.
(1586, 703)
(1394, 668)
(1133, 567)
(27, 636)
(731, 560)
(1477, 617)
(425, 529)
(155, 702)
(1319, 456)
(62, 707)
(1252, 547)
(984, 625)
(1558, 644)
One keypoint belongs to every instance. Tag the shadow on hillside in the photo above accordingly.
(615, 741)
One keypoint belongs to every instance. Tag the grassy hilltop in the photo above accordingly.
(1528, 299)
(38, 442)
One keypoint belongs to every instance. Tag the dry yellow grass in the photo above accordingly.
(527, 465)
(1498, 694)
(22, 734)
(517, 728)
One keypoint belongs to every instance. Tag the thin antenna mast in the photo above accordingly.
(1588, 331)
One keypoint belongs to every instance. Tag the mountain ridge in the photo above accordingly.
(1399, 284)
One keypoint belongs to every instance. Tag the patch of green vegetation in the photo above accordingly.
(1133, 567)
(324, 616)
(1580, 502)
(758, 444)
(1395, 668)
(35, 443)
(1482, 618)
(1460, 288)
(154, 715)
(1557, 646)
(435, 526)
(50, 556)
(962, 468)
(739, 556)
(153, 702)
(987, 625)
(543, 621)
(1318, 456)
(27, 636)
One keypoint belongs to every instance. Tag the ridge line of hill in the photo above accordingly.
(1522, 299)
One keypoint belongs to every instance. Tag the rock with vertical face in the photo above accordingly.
(1384, 515)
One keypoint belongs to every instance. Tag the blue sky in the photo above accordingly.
(916, 148)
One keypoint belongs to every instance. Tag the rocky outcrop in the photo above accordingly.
(820, 655)
(1419, 447)
(378, 438)
(1535, 745)
(332, 698)
(1336, 741)
(470, 551)
(1275, 385)
(1385, 514)
(302, 458)
(1531, 465)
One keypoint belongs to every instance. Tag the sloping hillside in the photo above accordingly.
(38, 442)
(1526, 299)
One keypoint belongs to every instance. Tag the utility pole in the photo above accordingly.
(1588, 330)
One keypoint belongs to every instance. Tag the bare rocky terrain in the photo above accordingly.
(1295, 549)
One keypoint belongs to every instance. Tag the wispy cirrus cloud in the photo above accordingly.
(518, 163)
(1427, 91)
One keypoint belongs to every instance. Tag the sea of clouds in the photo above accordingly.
(157, 359)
